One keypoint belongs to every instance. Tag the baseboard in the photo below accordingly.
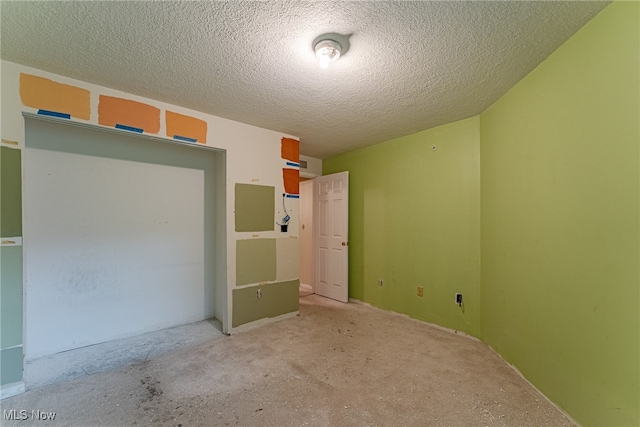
(12, 389)
(305, 287)
(433, 325)
(262, 322)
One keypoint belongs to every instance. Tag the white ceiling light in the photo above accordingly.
(327, 51)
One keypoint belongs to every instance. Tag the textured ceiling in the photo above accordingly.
(410, 65)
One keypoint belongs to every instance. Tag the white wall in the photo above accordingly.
(314, 167)
(115, 245)
(252, 154)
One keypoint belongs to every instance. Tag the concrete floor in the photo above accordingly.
(335, 364)
(93, 359)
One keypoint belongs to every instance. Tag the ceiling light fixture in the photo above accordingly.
(327, 51)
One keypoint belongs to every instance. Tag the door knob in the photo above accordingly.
(344, 243)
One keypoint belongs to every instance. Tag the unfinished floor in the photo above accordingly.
(335, 364)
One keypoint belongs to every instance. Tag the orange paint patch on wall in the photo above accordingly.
(44, 94)
(186, 127)
(291, 149)
(291, 178)
(117, 111)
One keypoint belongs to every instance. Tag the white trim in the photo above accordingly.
(28, 115)
(10, 144)
(261, 322)
(12, 389)
(13, 346)
(11, 241)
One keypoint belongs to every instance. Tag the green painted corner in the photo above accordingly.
(254, 207)
(255, 261)
(532, 213)
(414, 220)
(560, 222)
(10, 296)
(10, 192)
(11, 365)
(277, 299)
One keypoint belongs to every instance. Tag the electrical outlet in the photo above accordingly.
(259, 294)
(459, 299)
(420, 291)
(380, 282)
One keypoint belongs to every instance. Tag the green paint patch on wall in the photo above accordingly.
(11, 192)
(288, 259)
(414, 220)
(276, 299)
(10, 296)
(11, 365)
(254, 207)
(255, 261)
(560, 222)
(10, 266)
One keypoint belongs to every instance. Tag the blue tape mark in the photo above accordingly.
(184, 138)
(293, 196)
(293, 164)
(54, 114)
(130, 128)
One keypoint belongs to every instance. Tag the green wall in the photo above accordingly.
(10, 314)
(256, 261)
(560, 222)
(254, 207)
(549, 177)
(414, 220)
(10, 296)
(274, 300)
(11, 195)
(10, 266)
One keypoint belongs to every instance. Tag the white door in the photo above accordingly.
(331, 204)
